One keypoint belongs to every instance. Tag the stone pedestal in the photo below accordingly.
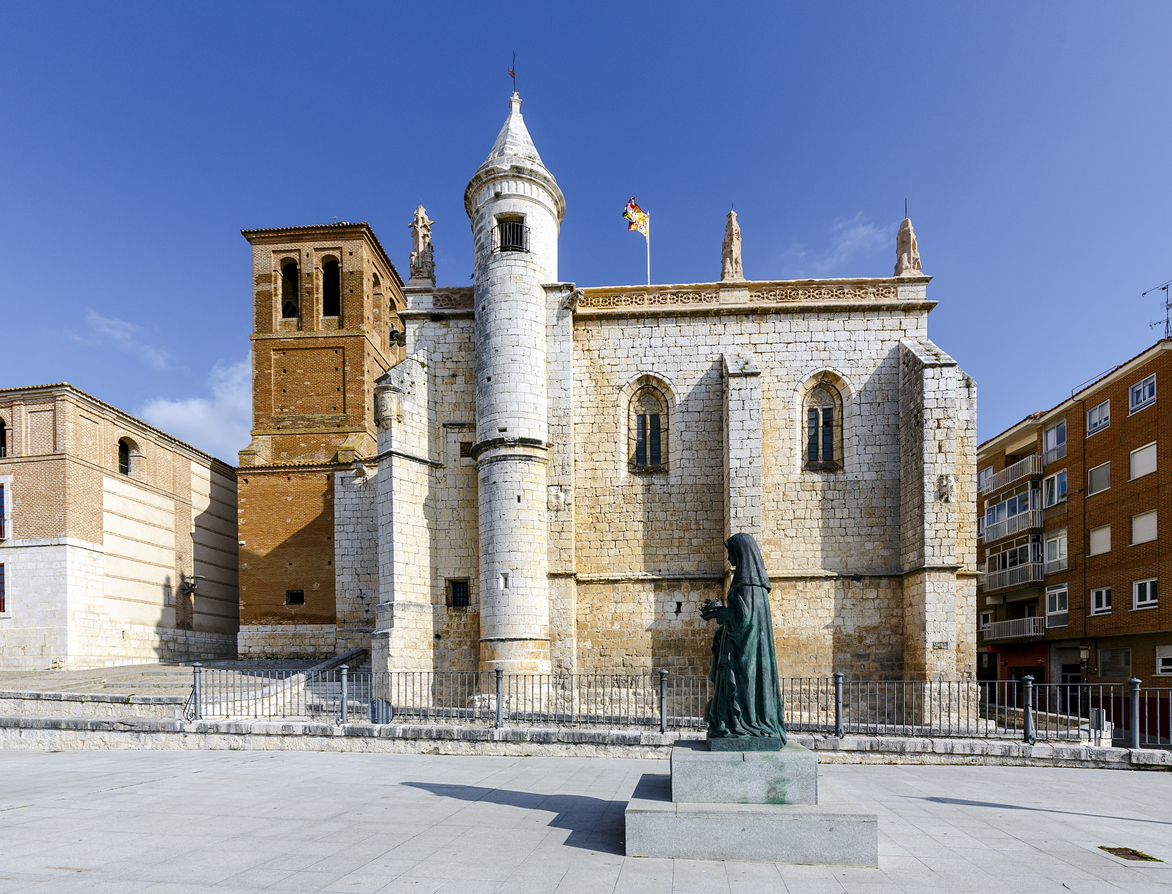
(755, 806)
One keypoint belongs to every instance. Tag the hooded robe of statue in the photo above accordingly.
(746, 698)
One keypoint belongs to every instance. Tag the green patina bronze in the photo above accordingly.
(745, 711)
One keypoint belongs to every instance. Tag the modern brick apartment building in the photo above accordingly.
(1075, 519)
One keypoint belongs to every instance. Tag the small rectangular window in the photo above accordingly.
(984, 620)
(1054, 443)
(1143, 527)
(1100, 540)
(980, 525)
(465, 448)
(1099, 479)
(984, 478)
(1, 511)
(1114, 662)
(1098, 417)
(1101, 601)
(1056, 606)
(1056, 552)
(1054, 489)
(503, 581)
(458, 593)
(1143, 593)
(1143, 393)
(1143, 460)
(294, 597)
(1163, 660)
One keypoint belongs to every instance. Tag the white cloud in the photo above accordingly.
(851, 240)
(125, 337)
(219, 424)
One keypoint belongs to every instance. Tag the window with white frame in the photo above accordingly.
(1143, 460)
(985, 619)
(1142, 393)
(1011, 554)
(1163, 660)
(1100, 540)
(983, 478)
(1023, 499)
(1143, 527)
(1054, 489)
(980, 526)
(1101, 601)
(1143, 594)
(1056, 606)
(1056, 551)
(1099, 479)
(1098, 417)
(1054, 442)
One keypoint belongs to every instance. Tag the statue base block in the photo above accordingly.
(788, 776)
(762, 807)
(747, 743)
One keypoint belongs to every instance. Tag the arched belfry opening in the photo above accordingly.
(290, 287)
(331, 286)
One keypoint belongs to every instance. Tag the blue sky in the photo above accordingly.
(136, 140)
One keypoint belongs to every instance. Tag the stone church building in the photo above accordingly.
(530, 475)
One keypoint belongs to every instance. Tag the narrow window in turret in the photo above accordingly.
(3, 439)
(331, 295)
(290, 301)
(512, 235)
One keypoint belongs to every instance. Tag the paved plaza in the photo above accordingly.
(188, 822)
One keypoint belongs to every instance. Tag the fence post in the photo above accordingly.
(663, 700)
(1028, 733)
(196, 696)
(500, 673)
(1133, 734)
(839, 726)
(344, 702)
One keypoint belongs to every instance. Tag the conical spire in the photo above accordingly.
(514, 139)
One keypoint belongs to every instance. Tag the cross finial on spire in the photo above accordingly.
(513, 73)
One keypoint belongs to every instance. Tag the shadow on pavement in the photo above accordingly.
(594, 824)
(960, 802)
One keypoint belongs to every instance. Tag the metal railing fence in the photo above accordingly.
(1093, 713)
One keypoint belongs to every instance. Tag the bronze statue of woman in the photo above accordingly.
(745, 711)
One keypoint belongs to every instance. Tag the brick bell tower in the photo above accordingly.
(516, 209)
(325, 326)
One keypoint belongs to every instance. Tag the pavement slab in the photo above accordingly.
(225, 822)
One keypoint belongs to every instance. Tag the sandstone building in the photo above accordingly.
(542, 479)
(117, 542)
(1070, 507)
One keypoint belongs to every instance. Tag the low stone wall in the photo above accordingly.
(88, 704)
(261, 641)
(129, 733)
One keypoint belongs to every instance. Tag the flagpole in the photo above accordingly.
(648, 256)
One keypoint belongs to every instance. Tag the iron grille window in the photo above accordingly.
(512, 235)
(458, 593)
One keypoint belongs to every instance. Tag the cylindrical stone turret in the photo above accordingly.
(516, 208)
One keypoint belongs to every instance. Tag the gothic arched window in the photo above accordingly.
(331, 293)
(647, 428)
(290, 300)
(822, 429)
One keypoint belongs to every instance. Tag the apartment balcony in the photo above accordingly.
(1031, 519)
(1018, 628)
(1054, 454)
(1023, 468)
(1029, 573)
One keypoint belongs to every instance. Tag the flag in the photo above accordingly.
(638, 218)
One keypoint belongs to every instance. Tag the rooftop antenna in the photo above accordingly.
(513, 71)
(1167, 308)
